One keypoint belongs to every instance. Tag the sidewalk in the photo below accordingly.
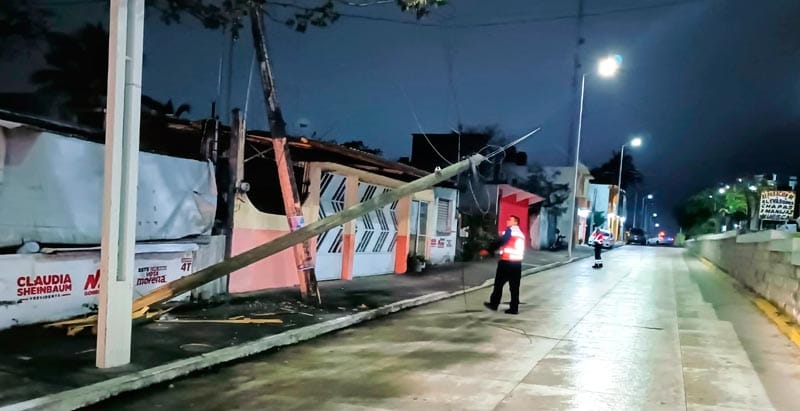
(36, 362)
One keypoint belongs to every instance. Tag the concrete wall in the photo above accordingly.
(768, 262)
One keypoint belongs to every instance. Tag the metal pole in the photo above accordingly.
(121, 169)
(619, 193)
(577, 162)
(635, 206)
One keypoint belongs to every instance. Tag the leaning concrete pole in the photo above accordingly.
(263, 251)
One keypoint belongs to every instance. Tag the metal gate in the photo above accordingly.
(375, 237)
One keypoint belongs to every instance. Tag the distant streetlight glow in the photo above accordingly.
(649, 196)
(722, 190)
(609, 66)
(658, 225)
(636, 142)
(655, 215)
(753, 188)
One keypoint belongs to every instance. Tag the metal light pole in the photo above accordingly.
(606, 68)
(644, 209)
(636, 142)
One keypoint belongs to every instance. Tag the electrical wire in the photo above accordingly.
(419, 126)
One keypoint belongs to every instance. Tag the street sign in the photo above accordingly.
(777, 205)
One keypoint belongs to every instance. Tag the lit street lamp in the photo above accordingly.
(722, 190)
(644, 206)
(655, 215)
(635, 142)
(607, 67)
(657, 225)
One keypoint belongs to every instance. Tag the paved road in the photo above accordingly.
(654, 330)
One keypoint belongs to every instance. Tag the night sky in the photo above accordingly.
(712, 85)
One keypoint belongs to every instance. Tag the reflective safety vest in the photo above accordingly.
(514, 248)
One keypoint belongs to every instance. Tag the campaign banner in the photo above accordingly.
(38, 288)
(777, 205)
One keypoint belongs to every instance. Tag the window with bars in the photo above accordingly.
(444, 224)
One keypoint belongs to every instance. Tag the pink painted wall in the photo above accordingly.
(272, 272)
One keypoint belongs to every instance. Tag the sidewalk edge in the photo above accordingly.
(97, 392)
(785, 324)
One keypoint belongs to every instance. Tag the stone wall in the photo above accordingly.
(768, 262)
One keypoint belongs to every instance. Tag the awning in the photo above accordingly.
(518, 194)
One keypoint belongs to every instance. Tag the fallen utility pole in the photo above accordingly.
(283, 160)
(192, 281)
(246, 258)
(143, 304)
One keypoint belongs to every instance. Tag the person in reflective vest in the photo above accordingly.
(509, 268)
(597, 241)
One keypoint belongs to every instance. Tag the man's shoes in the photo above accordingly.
(490, 306)
(510, 311)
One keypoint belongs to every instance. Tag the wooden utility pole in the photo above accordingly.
(235, 173)
(291, 196)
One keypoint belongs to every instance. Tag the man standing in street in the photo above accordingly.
(509, 268)
(597, 241)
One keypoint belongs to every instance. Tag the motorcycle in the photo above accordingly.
(558, 244)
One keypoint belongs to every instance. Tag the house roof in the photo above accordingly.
(183, 138)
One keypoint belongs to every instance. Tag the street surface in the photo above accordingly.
(653, 330)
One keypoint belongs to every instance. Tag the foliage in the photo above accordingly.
(482, 235)
(608, 172)
(22, 25)
(694, 214)
(598, 218)
(76, 68)
(555, 194)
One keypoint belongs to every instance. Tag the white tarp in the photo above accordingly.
(52, 190)
(36, 288)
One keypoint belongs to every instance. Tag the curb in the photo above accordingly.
(783, 322)
(97, 392)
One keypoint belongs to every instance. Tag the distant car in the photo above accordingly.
(661, 241)
(637, 236)
(608, 241)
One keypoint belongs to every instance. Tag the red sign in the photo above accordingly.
(44, 286)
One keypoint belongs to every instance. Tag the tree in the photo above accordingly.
(598, 218)
(22, 25)
(77, 70)
(608, 172)
(555, 195)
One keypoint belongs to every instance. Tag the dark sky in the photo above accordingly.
(713, 85)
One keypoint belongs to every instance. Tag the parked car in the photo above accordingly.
(608, 241)
(637, 236)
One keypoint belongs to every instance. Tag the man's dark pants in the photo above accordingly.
(511, 273)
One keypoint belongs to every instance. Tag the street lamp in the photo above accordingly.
(644, 213)
(635, 142)
(655, 215)
(657, 225)
(607, 67)
(722, 190)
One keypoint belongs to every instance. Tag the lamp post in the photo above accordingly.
(644, 209)
(636, 142)
(607, 67)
